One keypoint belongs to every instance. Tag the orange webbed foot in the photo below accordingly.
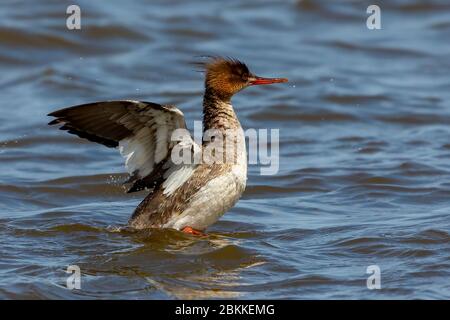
(192, 231)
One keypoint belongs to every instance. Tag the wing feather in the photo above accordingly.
(141, 131)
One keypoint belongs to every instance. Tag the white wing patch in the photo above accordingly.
(176, 177)
(177, 174)
(150, 143)
(148, 147)
(137, 151)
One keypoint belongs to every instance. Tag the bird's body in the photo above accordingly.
(190, 194)
(199, 194)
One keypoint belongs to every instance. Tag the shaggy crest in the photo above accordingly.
(226, 76)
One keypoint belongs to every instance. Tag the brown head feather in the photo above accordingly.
(226, 76)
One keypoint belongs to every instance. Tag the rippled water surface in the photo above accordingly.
(364, 173)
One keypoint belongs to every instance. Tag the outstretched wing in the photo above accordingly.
(141, 130)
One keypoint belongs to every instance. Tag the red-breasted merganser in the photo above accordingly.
(185, 195)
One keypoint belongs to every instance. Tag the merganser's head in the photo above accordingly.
(229, 76)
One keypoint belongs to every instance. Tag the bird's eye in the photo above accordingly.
(245, 77)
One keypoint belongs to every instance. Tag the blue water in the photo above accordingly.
(364, 150)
